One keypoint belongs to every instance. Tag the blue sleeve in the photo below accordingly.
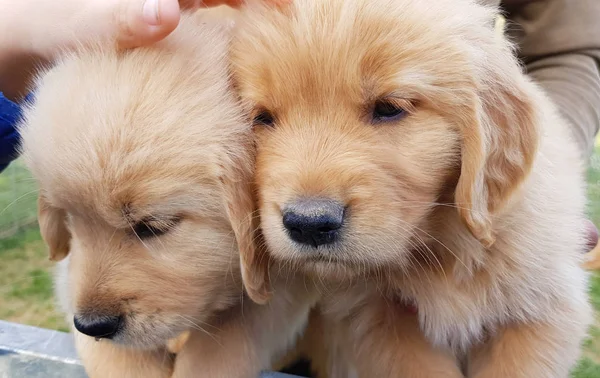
(10, 114)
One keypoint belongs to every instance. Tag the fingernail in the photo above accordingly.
(151, 12)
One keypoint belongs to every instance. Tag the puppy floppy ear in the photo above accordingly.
(254, 259)
(53, 228)
(500, 139)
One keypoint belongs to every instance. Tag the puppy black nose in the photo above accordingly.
(100, 327)
(314, 221)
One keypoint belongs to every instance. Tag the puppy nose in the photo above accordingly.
(313, 221)
(100, 327)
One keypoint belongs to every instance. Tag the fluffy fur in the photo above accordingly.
(470, 206)
(119, 141)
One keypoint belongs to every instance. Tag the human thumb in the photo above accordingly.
(143, 22)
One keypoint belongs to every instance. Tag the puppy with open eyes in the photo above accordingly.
(144, 162)
(404, 158)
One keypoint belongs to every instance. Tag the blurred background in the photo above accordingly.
(26, 293)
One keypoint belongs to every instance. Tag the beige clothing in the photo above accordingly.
(559, 42)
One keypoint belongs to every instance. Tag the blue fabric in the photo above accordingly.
(10, 114)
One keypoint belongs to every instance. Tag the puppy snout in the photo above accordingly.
(98, 326)
(314, 221)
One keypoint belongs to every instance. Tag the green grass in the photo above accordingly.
(586, 369)
(589, 366)
(26, 290)
(17, 199)
(26, 294)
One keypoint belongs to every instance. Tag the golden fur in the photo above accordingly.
(471, 206)
(153, 136)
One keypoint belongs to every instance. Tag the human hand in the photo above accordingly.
(33, 32)
(45, 27)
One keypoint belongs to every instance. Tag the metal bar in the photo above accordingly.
(33, 352)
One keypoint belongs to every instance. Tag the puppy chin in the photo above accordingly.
(146, 335)
(335, 271)
(336, 263)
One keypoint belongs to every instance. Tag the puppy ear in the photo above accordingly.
(254, 258)
(500, 139)
(54, 229)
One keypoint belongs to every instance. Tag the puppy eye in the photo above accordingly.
(146, 231)
(264, 118)
(387, 111)
(149, 228)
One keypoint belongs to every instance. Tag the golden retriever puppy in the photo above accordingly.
(144, 162)
(405, 158)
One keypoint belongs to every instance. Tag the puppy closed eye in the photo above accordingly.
(152, 227)
(388, 110)
(264, 118)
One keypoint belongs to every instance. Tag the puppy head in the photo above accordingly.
(144, 164)
(368, 113)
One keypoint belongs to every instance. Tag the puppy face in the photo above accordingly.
(143, 177)
(368, 115)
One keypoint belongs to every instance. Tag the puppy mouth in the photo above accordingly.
(146, 339)
(323, 258)
(126, 330)
(321, 255)
(314, 238)
(347, 255)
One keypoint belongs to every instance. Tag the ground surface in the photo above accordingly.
(26, 273)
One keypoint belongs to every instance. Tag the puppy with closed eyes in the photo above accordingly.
(144, 162)
(404, 157)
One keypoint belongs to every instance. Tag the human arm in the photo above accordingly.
(559, 42)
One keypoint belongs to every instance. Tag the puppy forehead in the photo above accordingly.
(135, 192)
(353, 50)
(114, 138)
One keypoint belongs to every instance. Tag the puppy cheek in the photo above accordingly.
(275, 236)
